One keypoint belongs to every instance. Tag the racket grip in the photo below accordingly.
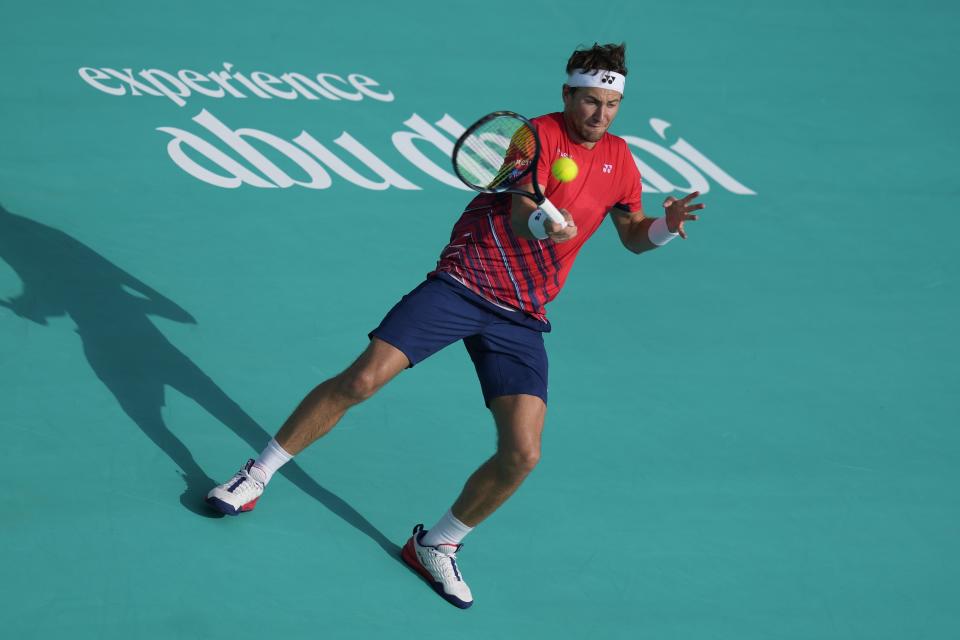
(553, 213)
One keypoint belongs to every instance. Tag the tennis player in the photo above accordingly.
(504, 263)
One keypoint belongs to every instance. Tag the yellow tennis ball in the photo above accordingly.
(564, 169)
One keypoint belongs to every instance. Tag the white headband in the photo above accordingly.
(599, 78)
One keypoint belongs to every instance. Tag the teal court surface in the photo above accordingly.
(752, 434)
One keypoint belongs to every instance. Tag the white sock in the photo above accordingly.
(270, 460)
(448, 531)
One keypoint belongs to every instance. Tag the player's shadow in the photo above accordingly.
(111, 310)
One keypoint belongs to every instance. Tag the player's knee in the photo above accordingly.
(520, 461)
(530, 459)
(359, 385)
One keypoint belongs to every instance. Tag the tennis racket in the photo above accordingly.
(495, 152)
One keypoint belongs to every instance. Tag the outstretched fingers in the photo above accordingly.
(681, 210)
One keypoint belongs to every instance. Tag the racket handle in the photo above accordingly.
(553, 213)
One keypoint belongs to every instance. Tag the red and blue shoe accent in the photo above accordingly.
(237, 495)
(438, 566)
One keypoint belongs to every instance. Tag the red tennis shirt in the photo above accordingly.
(486, 256)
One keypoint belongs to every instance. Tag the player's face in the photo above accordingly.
(589, 111)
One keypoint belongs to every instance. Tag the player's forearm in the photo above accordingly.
(637, 238)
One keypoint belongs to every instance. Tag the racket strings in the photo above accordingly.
(496, 153)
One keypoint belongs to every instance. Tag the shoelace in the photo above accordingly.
(447, 562)
(247, 483)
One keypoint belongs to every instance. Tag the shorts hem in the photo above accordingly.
(488, 399)
(393, 343)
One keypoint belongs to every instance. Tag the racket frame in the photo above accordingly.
(537, 195)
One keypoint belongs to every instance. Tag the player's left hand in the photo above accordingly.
(678, 211)
(561, 234)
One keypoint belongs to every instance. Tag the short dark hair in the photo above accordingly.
(610, 57)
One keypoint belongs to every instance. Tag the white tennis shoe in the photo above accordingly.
(438, 566)
(238, 494)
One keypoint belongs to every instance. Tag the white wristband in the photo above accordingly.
(658, 232)
(535, 223)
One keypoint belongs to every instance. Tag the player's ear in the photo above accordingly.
(567, 94)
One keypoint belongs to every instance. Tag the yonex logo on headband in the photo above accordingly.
(599, 78)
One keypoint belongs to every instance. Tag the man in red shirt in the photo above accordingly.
(485, 251)
(503, 264)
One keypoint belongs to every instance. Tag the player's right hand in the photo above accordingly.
(561, 234)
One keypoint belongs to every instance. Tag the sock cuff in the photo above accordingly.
(272, 458)
(274, 447)
(456, 522)
(448, 531)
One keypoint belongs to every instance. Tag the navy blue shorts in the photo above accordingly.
(506, 346)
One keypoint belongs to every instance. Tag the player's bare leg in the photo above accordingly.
(323, 407)
(433, 553)
(316, 414)
(519, 421)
